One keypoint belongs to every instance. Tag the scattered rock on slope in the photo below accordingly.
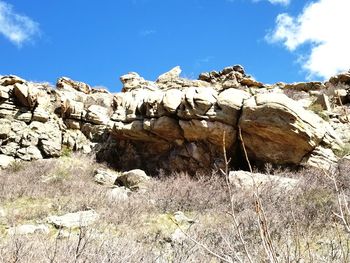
(74, 220)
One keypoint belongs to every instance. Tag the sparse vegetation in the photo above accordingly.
(344, 151)
(318, 109)
(301, 224)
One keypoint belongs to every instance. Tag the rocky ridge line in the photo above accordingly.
(176, 123)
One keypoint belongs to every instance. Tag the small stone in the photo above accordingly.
(5, 160)
(181, 218)
(29, 153)
(106, 177)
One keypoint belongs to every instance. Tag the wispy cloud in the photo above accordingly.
(201, 61)
(324, 26)
(15, 27)
(147, 32)
(274, 2)
(282, 2)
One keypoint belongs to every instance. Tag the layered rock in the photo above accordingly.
(172, 123)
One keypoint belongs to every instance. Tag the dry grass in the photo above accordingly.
(301, 223)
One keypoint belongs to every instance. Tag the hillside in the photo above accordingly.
(219, 169)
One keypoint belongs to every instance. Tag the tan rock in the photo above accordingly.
(72, 124)
(195, 130)
(97, 115)
(132, 81)
(5, 160)
(250, 82)
(197, 102)
(153, 104)
(41, 115)
(134, 179)
(5, 128)
(276, 129)
(69, 84)
(4, 92)
(247, 180)
(106, 177)
(164, 127)
(29, 153)
(172, 100)
(50, 137)
(9, 149)
(133, 131)
(322, 158)
(230, 102)
(74, 220)
(76, 140)
(28, 230)
(25, 116)
(10, 80)
(171, 75)
(26, 94)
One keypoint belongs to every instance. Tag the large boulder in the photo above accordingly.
(276, 129)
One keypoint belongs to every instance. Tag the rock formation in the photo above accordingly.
(175, 123)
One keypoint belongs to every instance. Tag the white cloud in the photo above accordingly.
(324, 25)
(15, 27)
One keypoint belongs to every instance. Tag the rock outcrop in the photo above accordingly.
(176, 123)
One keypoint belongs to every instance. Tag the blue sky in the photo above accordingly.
(97, 41)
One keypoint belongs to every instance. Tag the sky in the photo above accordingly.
(98, 41)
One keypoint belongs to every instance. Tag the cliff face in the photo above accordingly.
(175, 123)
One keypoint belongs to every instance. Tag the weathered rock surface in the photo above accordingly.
(176, 123)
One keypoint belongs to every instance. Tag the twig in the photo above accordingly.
(264, 231)
(233, 215)
(244, 149)
(201, 245)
